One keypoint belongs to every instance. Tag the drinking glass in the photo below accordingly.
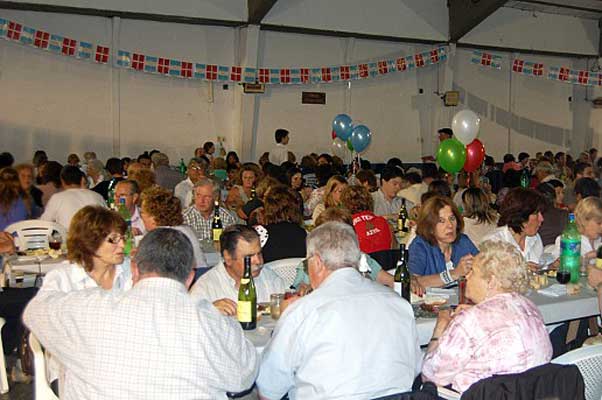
(275, 304)
(55, 241)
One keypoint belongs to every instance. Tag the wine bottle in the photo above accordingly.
(570, 253)
(402, 218)
(216, 226)
(402, 275)
(127, 217)
(246, 309)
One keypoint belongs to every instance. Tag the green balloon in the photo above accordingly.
(451, 155)
(349, 145)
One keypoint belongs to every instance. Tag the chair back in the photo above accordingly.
(3, 378)
(386, 258)
(33, 233)
(42, 388)
(285, 268)
(589, 361)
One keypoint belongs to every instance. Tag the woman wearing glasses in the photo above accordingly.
(95, 251)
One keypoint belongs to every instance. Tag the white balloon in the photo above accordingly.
(466, 126)
(339, 148)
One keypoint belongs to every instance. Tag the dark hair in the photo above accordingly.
(134, 188)
(518, 205)
(114, 166)
(395, 162)
(144, 155)
(207, 146)
(290, 173)
(88, 229)
(446, 131)
(476, 205)
(327, 156)
(555, 183)
(548, 193)
(166, 252)
(366, 175)
(489, 161)
(323, 174)
(11, 190)
(522, 156)
(71, 175)
(389, 173)
(308, 163)
(364, 164)
(511, 178)
(580, 167)
(280, 134)
(6, 160)
(509, 158)
(52, 173)
(126, 160)
(232, 154)
(587, 187)
(413, 177)
(429, 170)
(38, 157)
(428, 218)
(230, 237)
(441, 188)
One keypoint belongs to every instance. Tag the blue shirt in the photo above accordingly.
(17, 212)
(426, 259)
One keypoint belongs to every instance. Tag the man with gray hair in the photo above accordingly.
(199, 216)
(198, 168)
(165, 176)
(151, 342)
(351, 338)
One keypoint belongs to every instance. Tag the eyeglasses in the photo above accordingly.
(115, 239)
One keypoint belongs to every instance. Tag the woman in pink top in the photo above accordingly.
(503, 333)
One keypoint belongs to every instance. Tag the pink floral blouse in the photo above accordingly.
(504, 334)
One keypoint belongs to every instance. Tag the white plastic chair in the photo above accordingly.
(589, 361)
(42, 388)
(285, 268)
(33, 233)
(3, 379)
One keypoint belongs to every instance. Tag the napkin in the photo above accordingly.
(555, 290)
(440, 292)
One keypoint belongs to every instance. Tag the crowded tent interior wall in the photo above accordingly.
(64, 105)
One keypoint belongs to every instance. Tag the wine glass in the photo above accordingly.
(55, 240)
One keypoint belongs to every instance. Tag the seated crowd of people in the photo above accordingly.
(161, 323)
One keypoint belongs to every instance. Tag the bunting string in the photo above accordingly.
(152, 64)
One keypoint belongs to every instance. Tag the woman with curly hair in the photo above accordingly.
(282, 235)
(160, 208)
(373, 231)
(503, 333)
(15, 203)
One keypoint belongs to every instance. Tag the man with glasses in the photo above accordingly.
(152, 342)
(130, 192)
(198, 168)
(351, 338)
(220, 285)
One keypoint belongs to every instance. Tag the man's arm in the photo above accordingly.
(50, 211)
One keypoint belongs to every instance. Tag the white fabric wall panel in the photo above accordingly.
(214, 9)
(425, 19)
(509, 27)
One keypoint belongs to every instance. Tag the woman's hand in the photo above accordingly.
(594, 276)
(590, 255)
(416, 286)
(533, 267)
(463, 267)
(303, 289)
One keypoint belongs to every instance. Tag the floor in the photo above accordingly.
(19, 391)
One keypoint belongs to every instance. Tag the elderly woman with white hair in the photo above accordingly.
(503, 333)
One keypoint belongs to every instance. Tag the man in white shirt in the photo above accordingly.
(326, 345)
(279, 153)
(386, 202)
(220, 285)
(198, 168)
(63, 205)
(151, 342)
(130, 192)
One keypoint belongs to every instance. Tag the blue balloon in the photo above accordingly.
(341, 125)
(360, 137)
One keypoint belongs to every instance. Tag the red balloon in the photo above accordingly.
(334, 135)
(475, 154)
